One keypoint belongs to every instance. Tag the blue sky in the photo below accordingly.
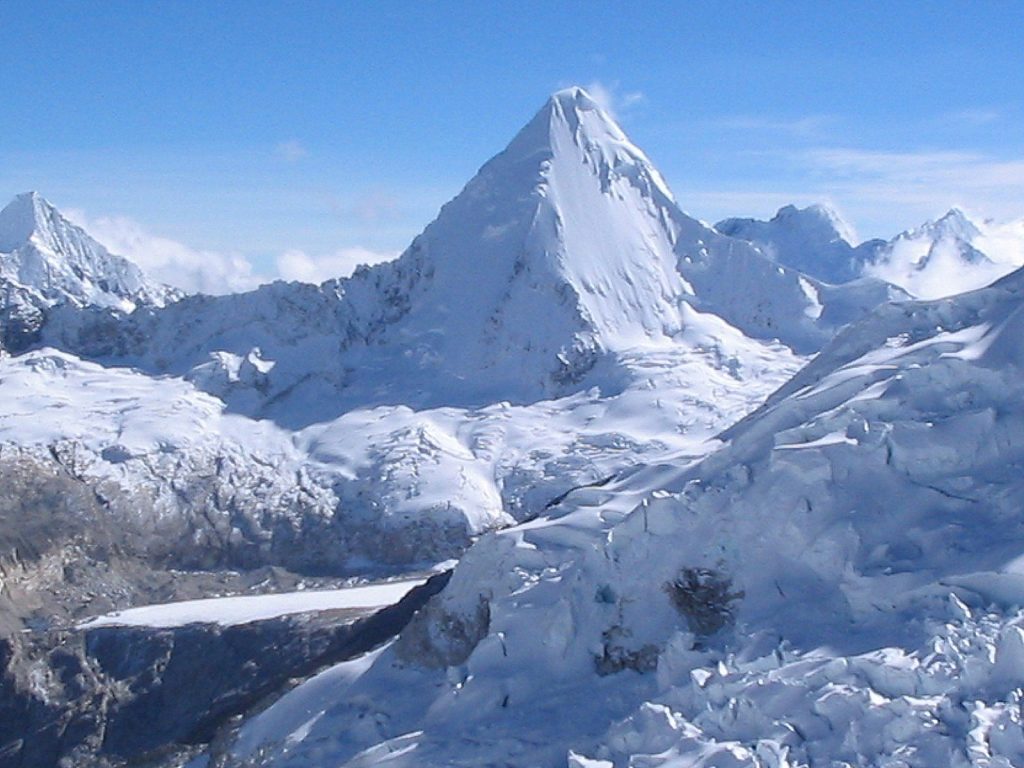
(299, 137)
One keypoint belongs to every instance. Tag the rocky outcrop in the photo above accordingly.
(117, 695)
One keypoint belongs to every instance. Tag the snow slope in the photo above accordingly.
(814, 240)
(847, 587)
(229, 611)
(385, 485)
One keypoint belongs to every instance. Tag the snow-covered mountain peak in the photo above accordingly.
(573, 124)
(583, 116)
(46, 257)
(815, 240)
(26, 216)
(818, 218)
(942, 257)
(575, 96)
(956, 223)
(949, 255)
(576, 110)
(32, 219)
(561, 260)
(558, 250)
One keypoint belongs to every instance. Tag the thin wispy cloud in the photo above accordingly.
(921, 185)
(948, 169)
(972, 117)
(882, 192)
(805, 127)
(291, 151)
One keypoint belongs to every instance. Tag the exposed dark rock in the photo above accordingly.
(128, 695)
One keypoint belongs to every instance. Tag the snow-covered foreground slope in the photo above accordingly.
(839, 584)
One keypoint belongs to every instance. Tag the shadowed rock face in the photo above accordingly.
(113, 695)
(72, 545)
(209, 512)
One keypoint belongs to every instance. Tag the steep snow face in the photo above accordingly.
(951, 255)
(610, 212)
(569, 244)
(814, 240)
(841, 581)
(48, 258)
(558, 251)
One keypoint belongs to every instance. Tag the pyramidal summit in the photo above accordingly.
(46, 261)
(45, 254)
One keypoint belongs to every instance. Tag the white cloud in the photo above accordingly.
(611, 98)
(291, 151)
(299, 265)
(214, 272)
(902, 165)
(169, 261)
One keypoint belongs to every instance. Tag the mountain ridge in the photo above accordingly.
(837, 579)
(951, 254)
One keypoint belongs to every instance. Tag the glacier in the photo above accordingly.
(865, 525)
